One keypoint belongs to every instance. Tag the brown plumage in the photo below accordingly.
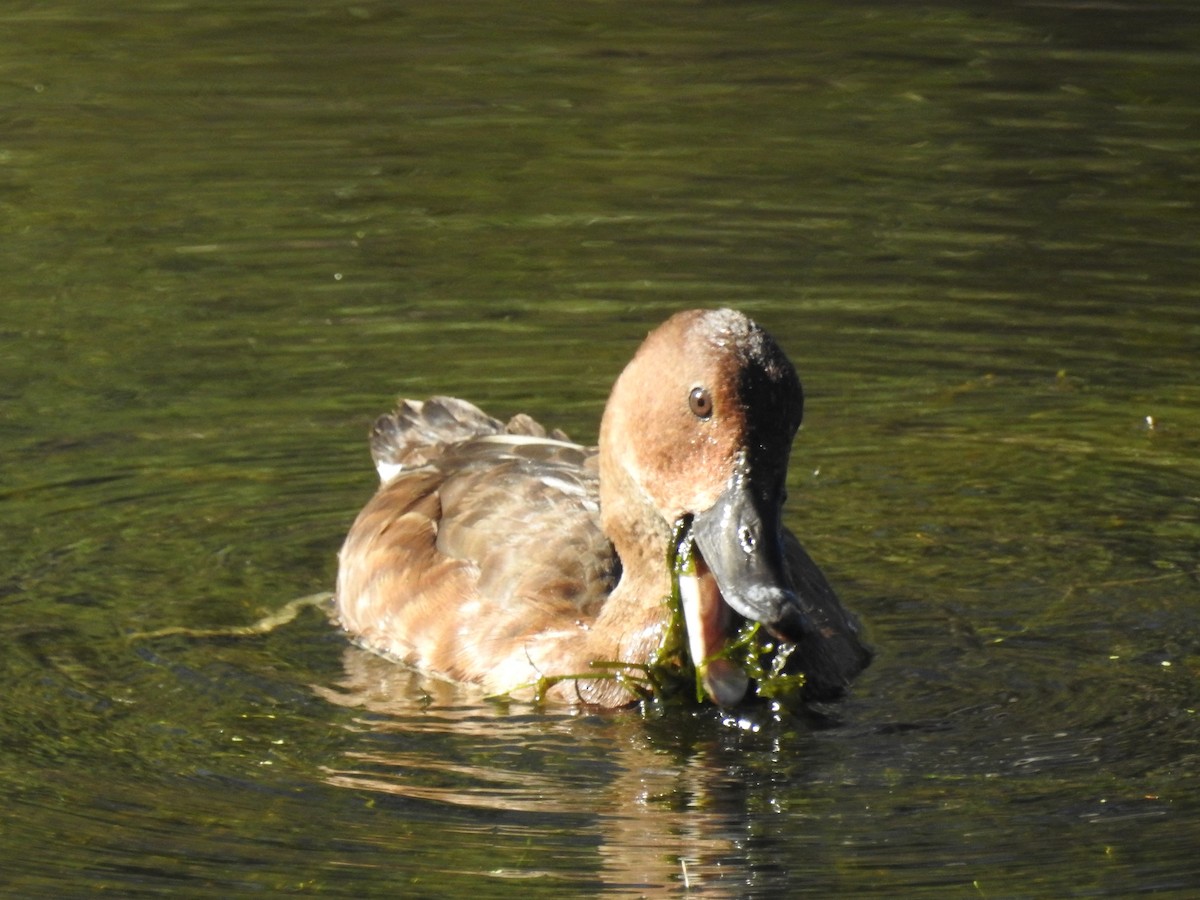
(499, 554)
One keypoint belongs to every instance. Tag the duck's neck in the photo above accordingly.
(635, 616)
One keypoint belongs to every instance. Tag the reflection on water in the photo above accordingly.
(662, 812)
(234, 233)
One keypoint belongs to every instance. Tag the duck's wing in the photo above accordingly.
(419, 432)
(458, 565)
(526, 511)
(831, 650)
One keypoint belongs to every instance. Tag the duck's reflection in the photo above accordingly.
(668, 804)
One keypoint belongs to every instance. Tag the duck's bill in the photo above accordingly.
(710, 623)
(740, 540)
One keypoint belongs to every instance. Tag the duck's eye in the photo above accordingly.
(700, 402)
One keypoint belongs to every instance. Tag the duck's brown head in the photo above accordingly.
(700, 425)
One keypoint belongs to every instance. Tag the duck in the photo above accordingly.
(506, 556)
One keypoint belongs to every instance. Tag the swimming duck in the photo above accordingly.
(504, 555)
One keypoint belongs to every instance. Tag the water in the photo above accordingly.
(235, 232)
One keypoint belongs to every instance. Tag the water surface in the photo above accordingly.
(235, 233)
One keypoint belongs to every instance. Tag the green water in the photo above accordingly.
(234, 232)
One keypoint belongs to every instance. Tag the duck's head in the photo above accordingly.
(699, 426)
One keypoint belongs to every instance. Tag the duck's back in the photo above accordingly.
(483, 541)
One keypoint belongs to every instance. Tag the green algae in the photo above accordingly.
(752, 649)
(321, 600)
